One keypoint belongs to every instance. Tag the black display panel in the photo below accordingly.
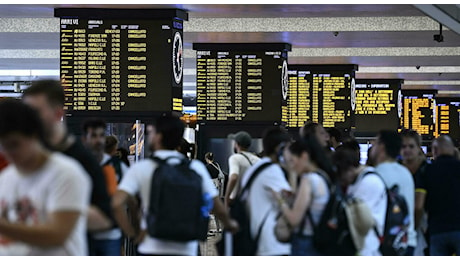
(448, 117)
(418, 111)
(241, 83)
(329, 99)
(121, 61)
(378, 105)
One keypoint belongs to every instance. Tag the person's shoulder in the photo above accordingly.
(236, 156)
(253, 156)
(198, 164)
(65, 161)
(68, 165)
(81, 154)
(142, 165)
(8, 172)
(372, 178)
(404, 171)
(270, 168)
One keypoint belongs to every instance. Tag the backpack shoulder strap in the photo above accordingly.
(375, 173)
(379, 236)
(247, 158)
(331, 189)
(254, 175)
(326, 178)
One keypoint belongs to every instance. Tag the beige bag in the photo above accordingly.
(360, 221)
(283, 231)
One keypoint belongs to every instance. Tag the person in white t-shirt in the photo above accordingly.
(386, 149)
(367, 187)
(263, 209)
(164, 138)
(44, 195)
(238, 163)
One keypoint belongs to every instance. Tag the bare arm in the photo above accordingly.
(295, 214)
(420, 196)
(52, 233)
(221, 213)
(119, 201)
(97, 220)
(232, 181)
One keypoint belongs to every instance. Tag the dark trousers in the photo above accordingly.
(445, 244)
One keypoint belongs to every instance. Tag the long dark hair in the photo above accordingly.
(317, 154)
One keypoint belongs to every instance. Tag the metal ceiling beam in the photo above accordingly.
(448, 15)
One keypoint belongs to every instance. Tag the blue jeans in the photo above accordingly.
(105, 247)
(445, 244)
(302, 246)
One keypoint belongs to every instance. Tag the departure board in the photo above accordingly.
(378, 105)
(448, 117)
(117, 60)
(241, 82)
(299, 99)
(321, 94)
(418, 111)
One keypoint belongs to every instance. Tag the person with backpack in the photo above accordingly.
(367, 187)
(307, 159)
(238, 163)
(263, 210)
(177, 196)
(386, 148)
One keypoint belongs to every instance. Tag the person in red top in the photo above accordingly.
(3, 162)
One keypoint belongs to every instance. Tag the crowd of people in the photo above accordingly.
(66, 195)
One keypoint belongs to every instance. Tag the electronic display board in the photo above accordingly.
(322, 94)
(298, 102)
(378, 105)
(121, 60)
(418, 111)
(448, 117)
(241, 82)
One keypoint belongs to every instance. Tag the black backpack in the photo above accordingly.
(178, 210)
(332, 236)
(393, 241)
(243, 243)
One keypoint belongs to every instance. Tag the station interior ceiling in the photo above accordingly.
(386, 41)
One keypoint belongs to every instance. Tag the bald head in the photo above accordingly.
(443, 145)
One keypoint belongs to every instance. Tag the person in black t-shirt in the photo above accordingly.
(438, 191)
(415, 161)
(212, 166)
(47, 97)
